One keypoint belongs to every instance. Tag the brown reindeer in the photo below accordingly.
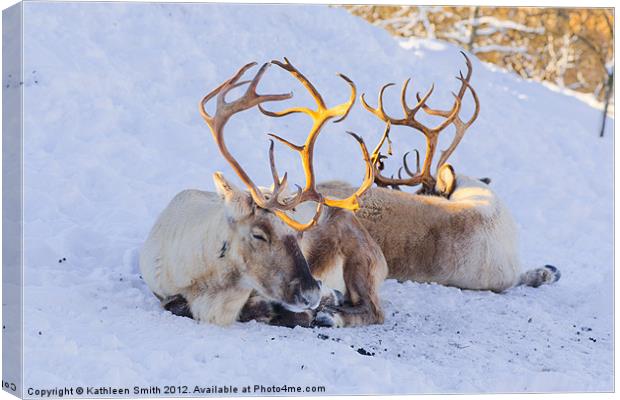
(455, 231)
(242, 255)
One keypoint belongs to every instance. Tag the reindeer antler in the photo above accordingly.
(431, 135)
(460, 126)
(224, 110)
(319, 117)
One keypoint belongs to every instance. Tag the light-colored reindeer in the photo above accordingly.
(242, 255)
(455, 231)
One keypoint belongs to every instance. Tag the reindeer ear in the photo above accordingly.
(446, 180)
(239, 204)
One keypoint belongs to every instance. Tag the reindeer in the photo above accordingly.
(455, 231)
(242, 254)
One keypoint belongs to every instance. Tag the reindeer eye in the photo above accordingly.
(259, 234)
(259, 237)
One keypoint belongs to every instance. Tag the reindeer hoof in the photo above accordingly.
(541, 276)
(323, 319)
(556, 272)
(329, 317)
(177, 305)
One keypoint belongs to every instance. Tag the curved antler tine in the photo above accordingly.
(469, 66)
(278, 185)
(279, 189)
(283, 113)
(422, 100)
(380, 99)
(257, 78)
(294, 200)
(450, 118)
(476, 106)
(349, 104)
(231, 87)
(251, 90)
(376, 155)
(304, 81)
(284, 180)
(379, 111)
(221, 97)
(201, 106)
(352, 202)
(262, 98)
(272, 165)
(460, 130)
(241, 71)
(446, 114)
(403, 97)
(297, 225)
(400, 170)
(432, 111)
(365, 105)
(216, 91)
(467, 77)
(364, 149)
(407, 166)
(232, 82)
(286, 142)
(365, 154)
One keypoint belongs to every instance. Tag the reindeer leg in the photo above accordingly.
(256, 308)
(290, 319)
(177, 305)
(363, 273)
(342, 316)
(366, 310)
(266, 311)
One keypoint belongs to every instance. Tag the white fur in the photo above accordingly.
(176, 253)
(468, 240)
(490, 259)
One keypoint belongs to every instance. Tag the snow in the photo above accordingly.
(491, 25)
(112, 133)
(502, 49)
(497, 25)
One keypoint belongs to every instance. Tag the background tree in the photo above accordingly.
(569, 47)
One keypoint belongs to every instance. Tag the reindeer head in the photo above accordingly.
(264, 236)
(445, 181)
(266, 250)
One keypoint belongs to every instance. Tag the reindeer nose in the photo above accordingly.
(306, 293)
(310, 298)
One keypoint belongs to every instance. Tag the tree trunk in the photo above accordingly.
(608, 90)
(472, 28)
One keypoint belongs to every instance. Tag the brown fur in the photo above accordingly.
(215, 251)
(339, 238)
(342, 236)
(434, 239)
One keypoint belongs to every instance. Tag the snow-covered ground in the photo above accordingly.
(112, 133)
